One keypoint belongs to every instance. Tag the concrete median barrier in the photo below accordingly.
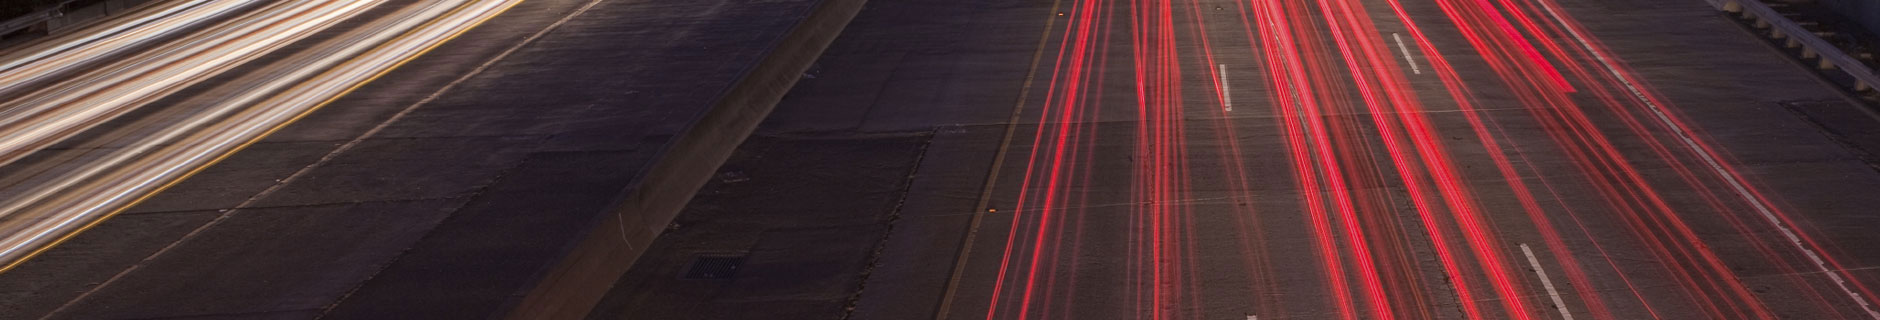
(615, 241)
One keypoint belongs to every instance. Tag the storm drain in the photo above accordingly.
(714, 267)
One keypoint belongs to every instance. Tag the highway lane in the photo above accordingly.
(63, 109)
(376, 203)
(113, 167)
(1101, 273)
(1452, 159)
(72, 52)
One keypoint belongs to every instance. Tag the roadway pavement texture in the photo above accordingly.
(1051, 159)
(451, 209)
(913, 91)
(1127, 190)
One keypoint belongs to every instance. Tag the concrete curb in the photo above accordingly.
(615, 241)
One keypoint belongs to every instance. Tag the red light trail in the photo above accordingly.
(1403, 197)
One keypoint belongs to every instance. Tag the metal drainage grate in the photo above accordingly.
(714, 267)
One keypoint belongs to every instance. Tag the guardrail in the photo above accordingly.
(1830, 57)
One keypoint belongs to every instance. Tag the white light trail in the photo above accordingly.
(37, 216)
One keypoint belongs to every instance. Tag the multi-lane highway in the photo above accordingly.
(1313, 159)
(1074, 159)
(64, 89)
(1387, 159)
(439, 188)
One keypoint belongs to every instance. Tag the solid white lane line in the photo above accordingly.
(1711, 161)
(1549, 284)
(1227, 96)
(1406, 53)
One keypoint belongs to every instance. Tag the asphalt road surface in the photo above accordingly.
(439, 189)
(1452, 159)
(956, 159)
(1087, 159)
(68, 86)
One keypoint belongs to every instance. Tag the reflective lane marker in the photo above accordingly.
(1406, 53)
(1227, 96)
(1549, 284)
